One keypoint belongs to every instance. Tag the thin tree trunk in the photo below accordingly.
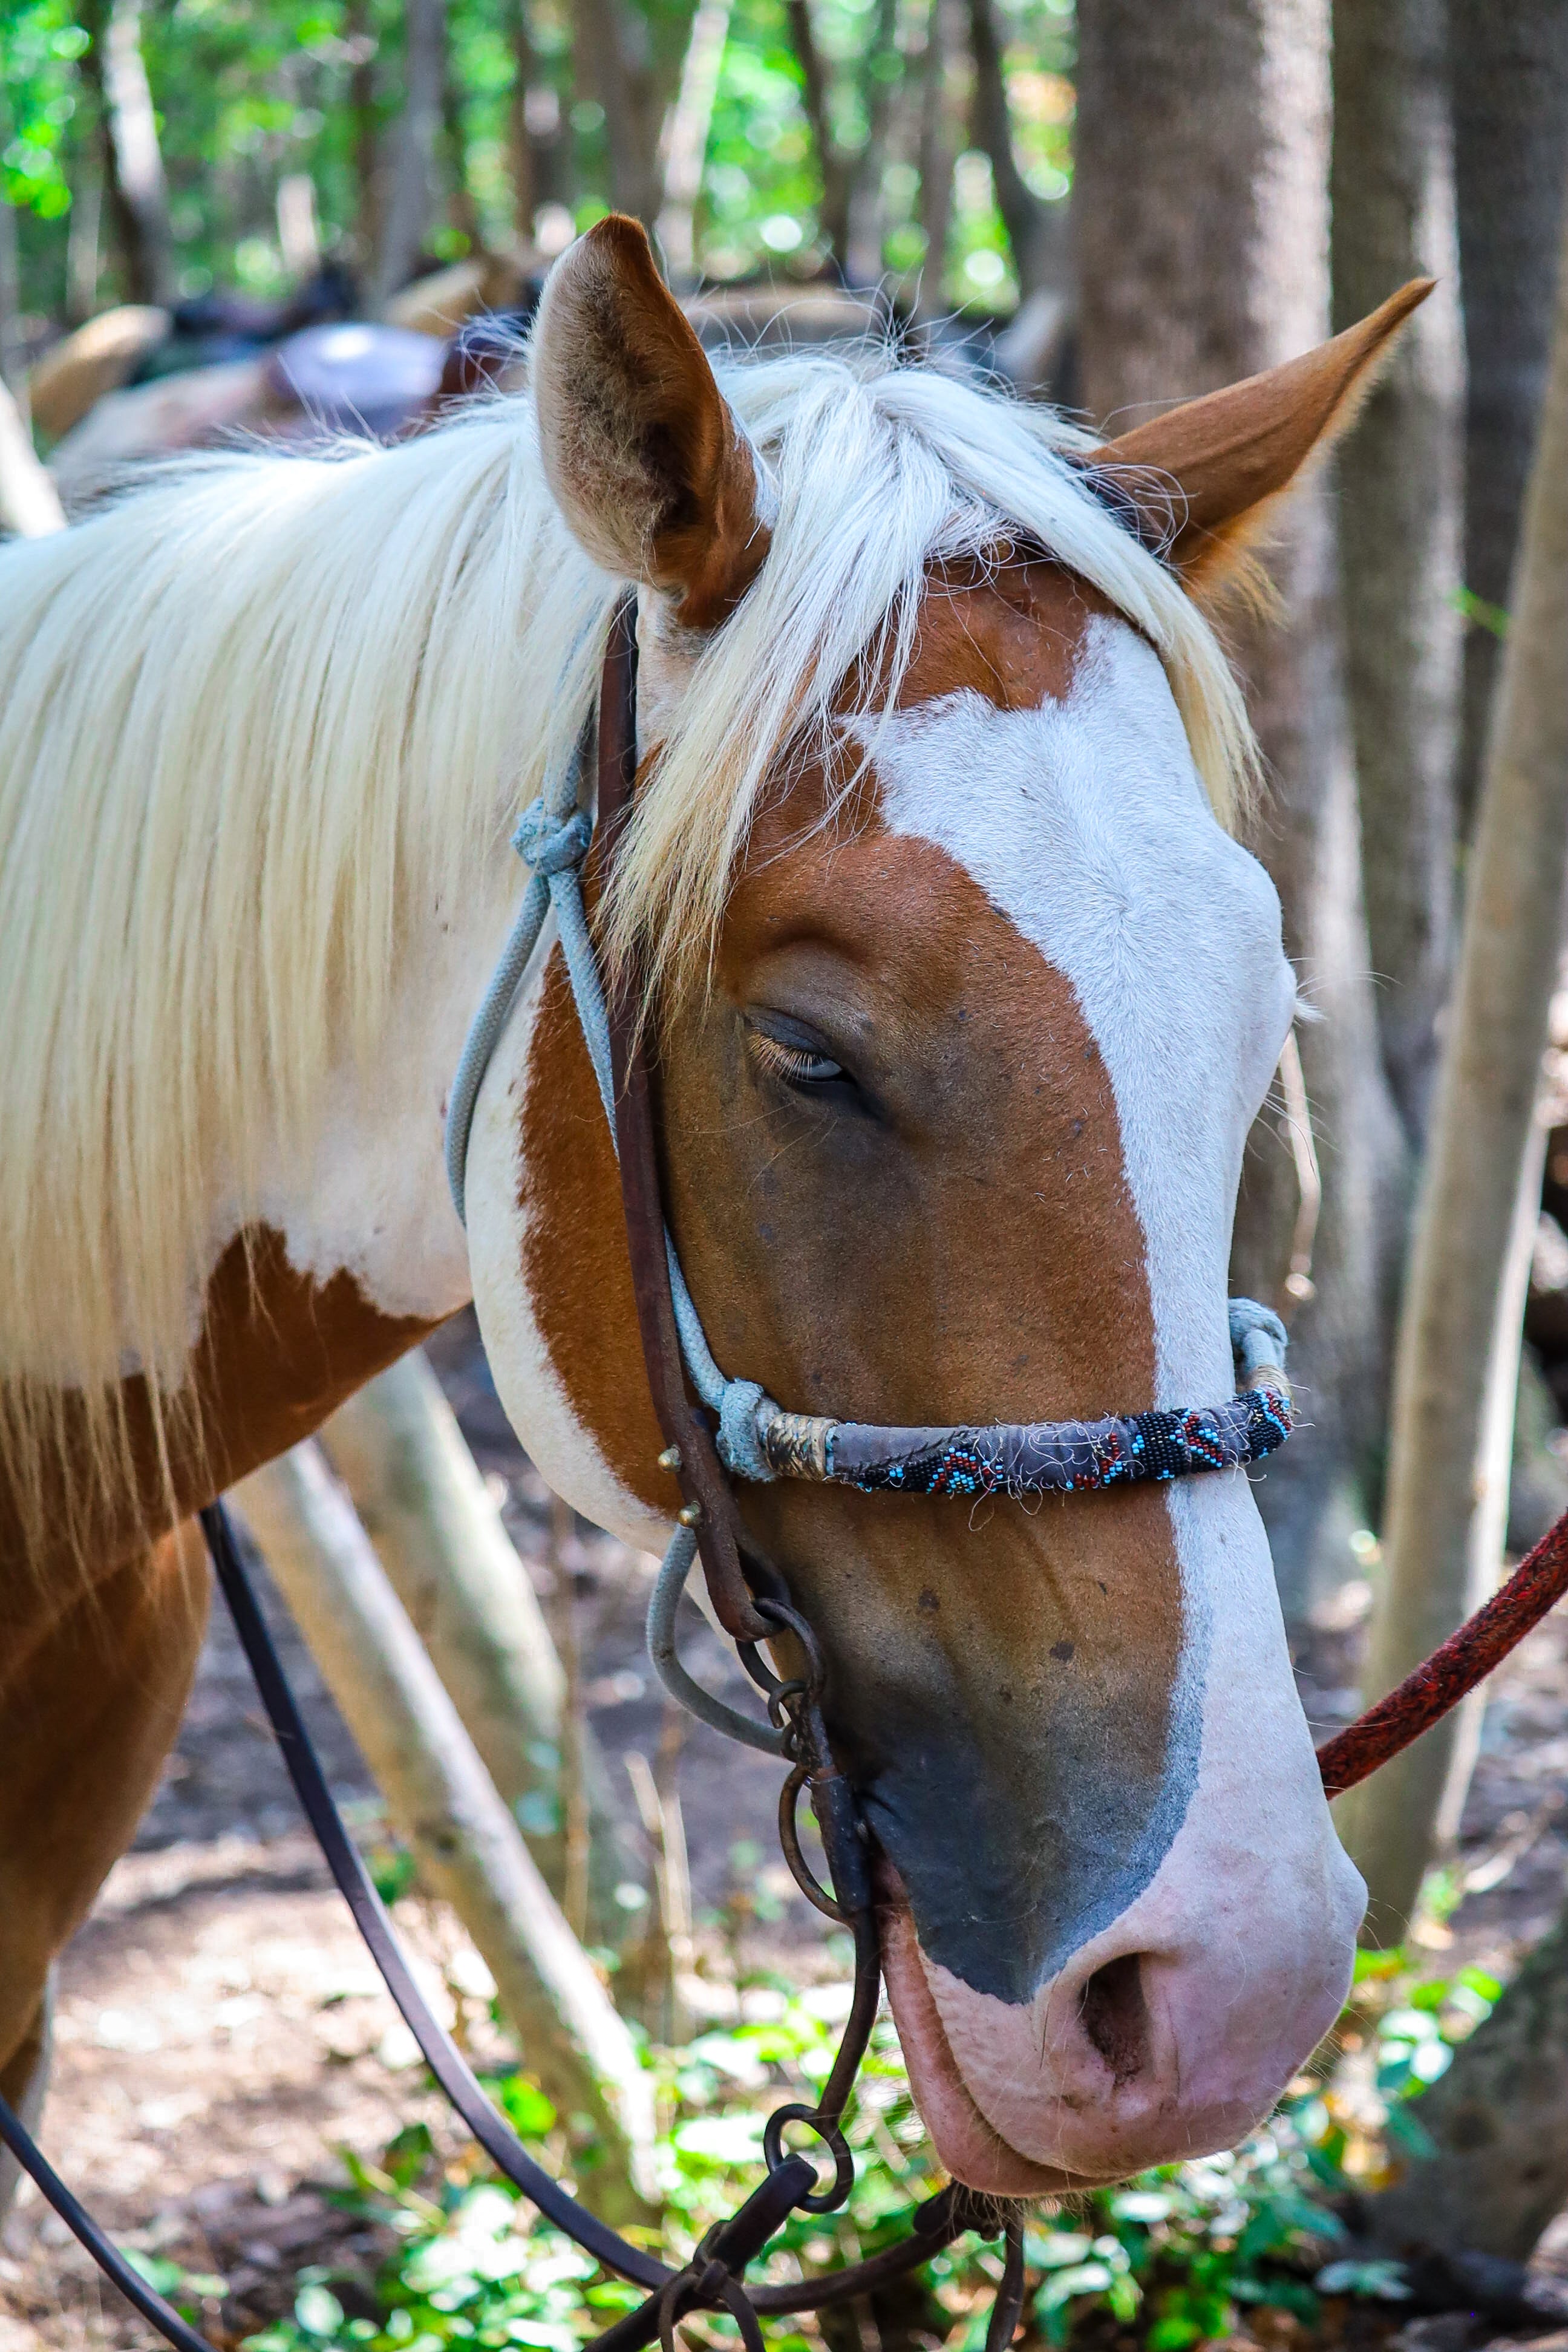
(525, 193)
(133, 163)
(1497, 1031)
(831, 160)
(398, 1449)
(941, 132)
(465, 212)
(1399, 514)
(1511, 146)
(864, 247)
(1036, 231)
(1202, 220)
(685, 143)
(83, 238)
(360, 35)
(622, 84)
(12, 364)
(411, 200)
(467, 1844)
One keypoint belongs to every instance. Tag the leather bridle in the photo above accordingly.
(754, 1606)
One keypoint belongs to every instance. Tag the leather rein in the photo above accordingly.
(752, 1604)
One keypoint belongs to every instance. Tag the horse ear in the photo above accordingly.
(1201, 479)
(655, 478)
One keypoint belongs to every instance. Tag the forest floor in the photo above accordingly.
(219, 2032)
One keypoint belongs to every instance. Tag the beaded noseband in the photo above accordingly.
(754, 1438)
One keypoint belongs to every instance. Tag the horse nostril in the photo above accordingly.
(1115, 2015)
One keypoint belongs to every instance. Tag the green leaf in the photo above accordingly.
(318, 2311)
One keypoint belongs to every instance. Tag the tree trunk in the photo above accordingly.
(411, 200)
(133, 163)
(942, 131)
(685, 143)
(622, 82)
(82, 239)
(1500, 2119)
(880, 67)
(1449, 1330)
(831, 160)
(360, 37)
(465, 212)
(1036, 231)
(1399, 512)
(397, 1448)
(1510, 144)
(466, 1843)
(1202, 224)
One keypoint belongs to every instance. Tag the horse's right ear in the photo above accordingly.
(648, 465)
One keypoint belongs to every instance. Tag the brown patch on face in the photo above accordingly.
(575, 1263)
(1011, 630)
(279, 1352)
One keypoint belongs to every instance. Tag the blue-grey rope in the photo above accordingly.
(551, 838)
(663, 1603)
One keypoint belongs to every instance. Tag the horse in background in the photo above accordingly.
(965, 997)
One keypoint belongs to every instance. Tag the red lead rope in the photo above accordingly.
(1465, 1659)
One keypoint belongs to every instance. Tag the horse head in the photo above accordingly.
(964, 1003)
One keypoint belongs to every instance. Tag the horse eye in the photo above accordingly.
(797, 1066)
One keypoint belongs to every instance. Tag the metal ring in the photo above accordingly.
(800, 1870)
(820, 2201)
(781, 1613)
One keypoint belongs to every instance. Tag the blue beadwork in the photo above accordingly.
(1148, 1446)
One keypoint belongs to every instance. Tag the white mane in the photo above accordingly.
(248, 710)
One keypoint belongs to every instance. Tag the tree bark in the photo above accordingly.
(360, 35)
(465, 211)
(1481, 1133)
(831, 160)
(685, 143)
(1511, 145)
(622, 82)
(863, 250)
(467, 1844)
(1399, 514)
(133, 163)
(942, 131)
(411, 197)
(397, 1448)
(1202, 222)
(539, 145)
(1036, 231)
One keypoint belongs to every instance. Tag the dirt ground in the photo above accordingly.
(219, 2030)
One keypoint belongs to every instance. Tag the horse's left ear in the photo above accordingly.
(648, 465)
(1200, 481)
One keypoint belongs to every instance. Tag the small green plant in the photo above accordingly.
(1178, 2256)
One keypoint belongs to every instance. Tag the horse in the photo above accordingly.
(962, 995)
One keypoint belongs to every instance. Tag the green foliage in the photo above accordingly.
(1178, 2255)
(245, 97)
(39, 45)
